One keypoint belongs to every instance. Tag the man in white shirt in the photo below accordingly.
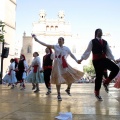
(102, 59)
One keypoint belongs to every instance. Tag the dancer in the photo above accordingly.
(47, 68)
(21, 71)
(102, 57)
(16, 62)
(16, 69)
(105, 74)
(117, 78)
(62, 72)
(35, 77)
(10, 78)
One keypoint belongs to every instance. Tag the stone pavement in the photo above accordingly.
(27, 105)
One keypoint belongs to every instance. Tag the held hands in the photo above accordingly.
(41, 71)
(79, 61)
(117, 61)
(16, 69)
(28, 70)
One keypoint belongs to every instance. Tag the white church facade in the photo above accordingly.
(48, 31)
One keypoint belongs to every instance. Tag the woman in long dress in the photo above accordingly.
(10, 77)
(35, 76)
(62, 72)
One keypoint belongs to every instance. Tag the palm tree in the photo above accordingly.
(2, 31)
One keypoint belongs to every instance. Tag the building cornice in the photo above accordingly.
(10, 26)
(13, 2)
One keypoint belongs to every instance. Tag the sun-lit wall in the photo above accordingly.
(7, 15)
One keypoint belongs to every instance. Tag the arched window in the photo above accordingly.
(47, 28)
(29, 49)
(56, 27)
(52, 28)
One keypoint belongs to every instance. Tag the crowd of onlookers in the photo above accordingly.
(90, 80)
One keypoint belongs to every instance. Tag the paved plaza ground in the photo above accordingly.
(27, 105)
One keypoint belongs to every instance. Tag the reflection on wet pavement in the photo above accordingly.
(27, 105)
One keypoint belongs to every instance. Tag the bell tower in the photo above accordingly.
(61, 15)
(42, 15)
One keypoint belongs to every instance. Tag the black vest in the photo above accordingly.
(97, 47)
(21, 65)
(16, 64)
(47, 60)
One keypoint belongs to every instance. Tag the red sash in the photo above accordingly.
(35, 68)
(64, 63)
(10, 71)
(47, 67)
(98, 56)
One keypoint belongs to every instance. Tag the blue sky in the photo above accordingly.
(84, 15)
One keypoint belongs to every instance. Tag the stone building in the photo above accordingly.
(48, 31)
(8, 15)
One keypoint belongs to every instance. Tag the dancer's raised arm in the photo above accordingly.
(42, 43)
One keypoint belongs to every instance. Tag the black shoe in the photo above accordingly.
(33, 87)
(9, 84)
(99, 97)
(36, 91)
(48, 92)
(106, 87)
(23, 88)
(59, 98)
(12, 87)
(68, 92)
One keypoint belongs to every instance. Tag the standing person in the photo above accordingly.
(16, 70)
(21, 71)
(105, 74)
(47, 68)
(35, 76)
(62, 72)
(102, 59)
(16, 62)
(10, 78)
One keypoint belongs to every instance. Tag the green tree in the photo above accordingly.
(89, 69)
(2, 25)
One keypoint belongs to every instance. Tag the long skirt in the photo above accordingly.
(10, 78)
(66, 75)
(35, 77)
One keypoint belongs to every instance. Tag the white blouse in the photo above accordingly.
(12, 66)
(63, 51)
(36, 61)
(87, 52)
